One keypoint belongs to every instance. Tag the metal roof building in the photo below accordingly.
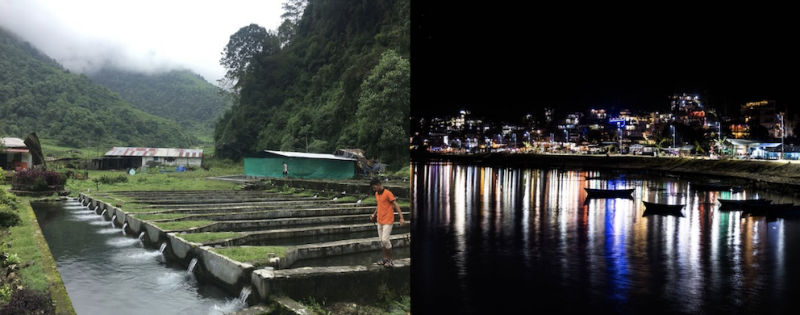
(15, 154)
(269, 163)
(135, 157)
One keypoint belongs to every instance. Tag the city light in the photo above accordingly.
(644, 132)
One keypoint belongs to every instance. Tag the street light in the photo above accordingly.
(672, 127)
(780, 115)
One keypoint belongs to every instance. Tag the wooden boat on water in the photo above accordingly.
(716, 187)
(785, 212)
(730, 204)
(651, 208)
(609, 193)
(764, 209)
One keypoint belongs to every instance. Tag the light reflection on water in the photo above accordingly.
(508, 238)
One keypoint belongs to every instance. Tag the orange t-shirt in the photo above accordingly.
(385, 208)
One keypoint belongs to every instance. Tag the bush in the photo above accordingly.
(110, 180)
(8, 217)
(37, 180)
(13, 259)
(27, 301)
(8, 200)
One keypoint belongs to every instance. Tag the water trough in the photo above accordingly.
(308, 229)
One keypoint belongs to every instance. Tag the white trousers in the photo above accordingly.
(384, 230)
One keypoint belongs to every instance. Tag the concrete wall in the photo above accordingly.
(333, 283)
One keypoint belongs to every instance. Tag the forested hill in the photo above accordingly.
(40, 96)
(335, 75)
(179, 95)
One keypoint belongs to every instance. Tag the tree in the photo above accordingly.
(698, 149)
(244, 48)
(384, 107)
(292, 12)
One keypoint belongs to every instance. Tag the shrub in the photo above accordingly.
(5, 294)
(8, 217)
(38, 179)
(27, 301)
(13, 259)
(110, 180)
(8, 200)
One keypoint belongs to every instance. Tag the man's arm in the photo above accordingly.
(399, 212)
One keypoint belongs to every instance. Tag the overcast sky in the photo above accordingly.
(143, 35)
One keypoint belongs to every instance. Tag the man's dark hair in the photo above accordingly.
(374, 181)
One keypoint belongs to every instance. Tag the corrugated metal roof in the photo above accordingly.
(309, 155)
(15, 151)
(13, 143)
(155, 152)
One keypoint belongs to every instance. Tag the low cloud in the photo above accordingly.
(143, 36)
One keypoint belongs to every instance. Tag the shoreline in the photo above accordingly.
(779, 176)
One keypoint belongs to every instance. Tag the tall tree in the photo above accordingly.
(244, 48)
(292, 12)
(384, 108)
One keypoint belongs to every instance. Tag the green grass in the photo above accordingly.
(349, 199)
(159, 216)
(23, 243)
(181, 225)
(195, 180)
(255, 255)
(29, 244)
(306, 193)
(133, 209)
(210, 236)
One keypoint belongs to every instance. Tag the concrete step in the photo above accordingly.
(271, 224)
(307, 235)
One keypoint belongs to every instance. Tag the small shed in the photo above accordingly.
(269, 163)
(129, 157)
(14, 154)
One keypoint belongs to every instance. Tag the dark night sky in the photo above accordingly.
(505, 62)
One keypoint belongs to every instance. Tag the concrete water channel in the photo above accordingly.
(316, 247)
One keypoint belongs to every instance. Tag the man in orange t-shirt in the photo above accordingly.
(385, 214)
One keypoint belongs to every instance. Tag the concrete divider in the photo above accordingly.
(345, 247)
(362, 284)
(180, 248)
(233, 275)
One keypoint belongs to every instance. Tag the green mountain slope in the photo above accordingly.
(342, 81)
(40, 96)
(178, 95)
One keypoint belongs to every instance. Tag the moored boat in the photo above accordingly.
(609, 193)
(716, 187)
(784, 212)
(662, 208)
(730, 204)
(764, 209)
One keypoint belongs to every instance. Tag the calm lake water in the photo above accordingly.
(500, 240)
(106, 272)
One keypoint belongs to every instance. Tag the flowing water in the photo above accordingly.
(495, 240)
(106, 273)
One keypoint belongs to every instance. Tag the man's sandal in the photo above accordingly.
(381, 262)
(388, 264)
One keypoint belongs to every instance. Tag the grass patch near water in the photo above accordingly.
(159, 216)
(38, 271)
(209, 236)
(255, 255)
(181, 225)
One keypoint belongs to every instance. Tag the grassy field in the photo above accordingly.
(25, 242)
(108, 181)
